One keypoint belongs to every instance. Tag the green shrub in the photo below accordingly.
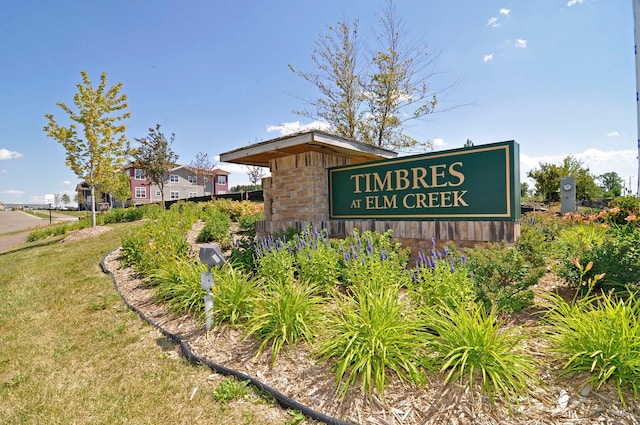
(247, 222)
(502, 277)
(274, 260)
(286, 312)
(178, 284)
(440, 278)
(534, 242)
(370, 334)
(373, 260)
(578, 241)
(216, 228)
(54, 230)
(622, 207)
(243, 256)
(619, 259)
(158, 240)
(600, 335)
(235, 295)
(316, 260)
(471, 344)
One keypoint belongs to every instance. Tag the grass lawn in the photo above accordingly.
(73, 353)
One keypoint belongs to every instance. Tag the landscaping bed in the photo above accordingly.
(297, 371)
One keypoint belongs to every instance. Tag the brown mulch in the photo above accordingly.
(87, 232)
(556, 400)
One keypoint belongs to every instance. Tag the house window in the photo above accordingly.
(192, 179)
(158, 193)
(206, 179)
(222, 179)
(173, 178)
(175, 195)
(141, 192)
(192, 194)
(139, 174)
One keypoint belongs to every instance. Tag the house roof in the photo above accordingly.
(318, 141)
(212, 172)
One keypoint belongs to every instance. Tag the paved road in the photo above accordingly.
(12, 221)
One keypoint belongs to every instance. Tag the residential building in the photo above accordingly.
(181, 182)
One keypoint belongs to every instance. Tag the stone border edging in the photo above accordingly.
(282, 399)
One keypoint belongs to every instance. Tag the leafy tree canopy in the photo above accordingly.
(155, 156)
(95, 140)
(547, 179)
(611, 183)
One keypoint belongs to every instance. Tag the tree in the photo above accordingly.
(201, 165)
(547, 179)
(524, 189)
(586, 186)
(65, 199)
(468, 144)
(255, 173)
(611, 183)
(155, 156)
(117, 186)
(371, 103)
(397, 90)
(338, 80)
(99, 149)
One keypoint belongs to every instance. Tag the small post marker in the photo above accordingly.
(211, 255)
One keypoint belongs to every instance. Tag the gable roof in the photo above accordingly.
(319, 141)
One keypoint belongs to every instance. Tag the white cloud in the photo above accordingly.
(504, 11)
(14, 192)
(295, 127)
(438, 142)
(7, 154)
(520, 43)
(66, 182)
(3, 171)
(493, 22)
(574, 2)
(613, 134)
(599, 162)
(488, 57)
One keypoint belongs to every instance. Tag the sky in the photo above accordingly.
(556, 76)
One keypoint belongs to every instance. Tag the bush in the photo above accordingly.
(247, 222)
(502, 277)
(441, 278)
(600, 335)
(178, 284)
(235, 295)
(159, 240)
(316, 260)
(216, 228)
(370, 334)
(372, 259)
(472, 345)
(579, 241)
(619, 259)
(286, 312)
(274, 260)
(621, 208)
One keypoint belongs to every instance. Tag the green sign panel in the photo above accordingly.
(477, 183)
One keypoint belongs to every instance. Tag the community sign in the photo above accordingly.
(475, 183)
